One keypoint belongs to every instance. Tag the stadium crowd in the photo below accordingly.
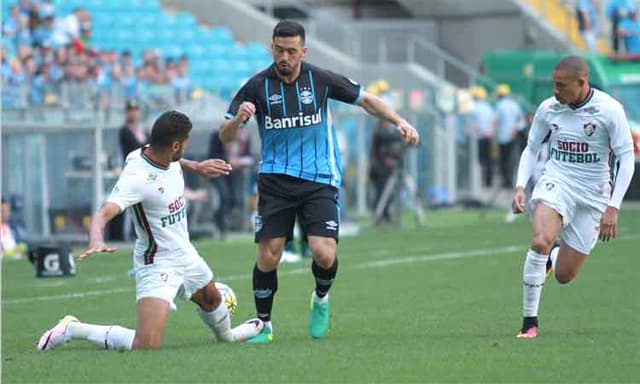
(46, 56)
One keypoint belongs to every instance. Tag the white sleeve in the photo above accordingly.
(528, 159)
(620, 139)
(127, 191)
(526, 167)
(626, 164)
(621, 144)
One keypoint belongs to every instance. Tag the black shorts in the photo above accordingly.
(281, 198)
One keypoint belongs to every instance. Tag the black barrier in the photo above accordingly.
(53, 260)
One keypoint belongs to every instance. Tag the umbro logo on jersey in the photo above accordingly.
(589, 129)
(549, 186)
(161, 190)
(555, 127)
(152, 177)
(275, 99)
(331, 225)
(592, 110)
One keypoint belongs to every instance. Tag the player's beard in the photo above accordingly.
(286, 71)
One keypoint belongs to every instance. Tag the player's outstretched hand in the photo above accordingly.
(609, 224)
(246, 110)
(518, 201)
(96, 248)
(213, 168)
(409, 134)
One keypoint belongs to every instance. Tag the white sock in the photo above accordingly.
(267, 324)
(554, 257)
(103, 336)
(219, 321)
(79, 330)
(533, 276)
(120, 338)
(320, 300)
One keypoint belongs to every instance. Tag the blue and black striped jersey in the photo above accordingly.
(296, 128)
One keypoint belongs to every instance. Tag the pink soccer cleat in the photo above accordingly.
(530, 333)
(57, 335)
(248, 329)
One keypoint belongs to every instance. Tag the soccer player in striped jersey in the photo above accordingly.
(300, 171)
(573, 199)
(166, 264)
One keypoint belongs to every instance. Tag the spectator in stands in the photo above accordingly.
(129, 82)
(617, 11)
(41, 86)
(23, 37)
(44, 32)
(509, 120)
(12, 23)
(588, 23)
(483, 125)
(181, 82)
(11, 242)
(630, 32)
(68, 28)
(6, 67)
(47, 9)
(25, 7)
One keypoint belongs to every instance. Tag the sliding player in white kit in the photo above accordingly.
(573, 198)
(167, 266)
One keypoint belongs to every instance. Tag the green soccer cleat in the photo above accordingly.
(265, 336)
(318, 318)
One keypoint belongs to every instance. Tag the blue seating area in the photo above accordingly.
(216, 61)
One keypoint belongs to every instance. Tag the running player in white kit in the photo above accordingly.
(166, 264)
(573, 198)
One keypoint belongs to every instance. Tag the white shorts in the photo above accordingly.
(171, 282)
(581, 211)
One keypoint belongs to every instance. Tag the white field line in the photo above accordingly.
(297, 271)
(367, 265)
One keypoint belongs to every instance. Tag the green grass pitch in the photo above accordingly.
(435, 305)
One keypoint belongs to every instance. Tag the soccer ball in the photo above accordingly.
(228, 296)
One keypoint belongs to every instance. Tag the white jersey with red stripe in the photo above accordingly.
(582, 138)
(156, 195)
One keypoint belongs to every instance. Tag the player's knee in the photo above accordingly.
(564, 277)
(542, 243)
(324, 255)
(269, 258)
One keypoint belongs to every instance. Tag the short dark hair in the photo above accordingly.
(289, 28)
(170, 127)
(573, 64)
